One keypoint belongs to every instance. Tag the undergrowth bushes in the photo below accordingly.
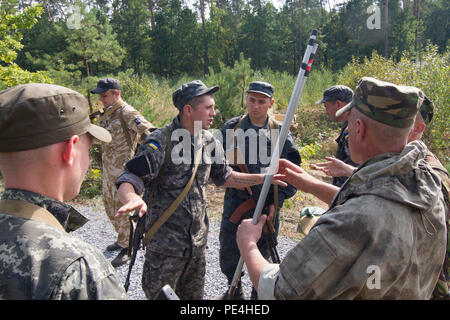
(313, 132)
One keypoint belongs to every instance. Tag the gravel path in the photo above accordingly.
(100, 233)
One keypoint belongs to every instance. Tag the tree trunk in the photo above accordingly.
(416, 11)
(386, 29)
(86, 65)
(46, 8)
(151, 5)
(205, 40)
(294, 47)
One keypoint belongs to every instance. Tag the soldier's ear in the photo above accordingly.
(68, 152)
(360, 129)
(187, 110)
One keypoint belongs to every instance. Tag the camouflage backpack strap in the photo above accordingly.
(273, 124)
(237, 126)
(163, 168)
(29, 211)
(126, 132)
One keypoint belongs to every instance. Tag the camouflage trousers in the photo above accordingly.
(185, 275)
(112, 204)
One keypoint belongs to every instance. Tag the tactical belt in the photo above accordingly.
(29, 211)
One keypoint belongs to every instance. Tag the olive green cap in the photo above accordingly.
(386, 102)
(35, 115)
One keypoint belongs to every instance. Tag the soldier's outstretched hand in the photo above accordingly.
(131, 200)
(334, 167)
(293, 174)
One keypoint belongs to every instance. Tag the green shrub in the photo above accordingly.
(92, 184)
(311, 151)
(233, 82)
(431, 74)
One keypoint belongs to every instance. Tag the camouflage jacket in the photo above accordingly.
(343, 154)
(374, 242)
(234, 197)
(117, 152)
(184, 234)
(39, 261)
(442, 290)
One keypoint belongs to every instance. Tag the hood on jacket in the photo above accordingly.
(404, 178)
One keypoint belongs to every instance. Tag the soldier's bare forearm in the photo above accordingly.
(242, 180)
(125, 192)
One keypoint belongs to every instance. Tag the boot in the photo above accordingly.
(121, 258)
(114, 247)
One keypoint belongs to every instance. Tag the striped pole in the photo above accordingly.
(305, 68)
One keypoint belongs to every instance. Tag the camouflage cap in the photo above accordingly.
(337, 92)
(427, 110)
(264, 88)
(35, 115)
(385, 102)
(190, 90)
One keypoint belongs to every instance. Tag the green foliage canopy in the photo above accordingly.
(12, 25)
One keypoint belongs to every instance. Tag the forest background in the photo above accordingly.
(154, 46)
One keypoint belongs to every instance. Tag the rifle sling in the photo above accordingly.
(125, 130)
(29, 211)
(166, 214)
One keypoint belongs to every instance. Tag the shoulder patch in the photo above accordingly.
(153, 144)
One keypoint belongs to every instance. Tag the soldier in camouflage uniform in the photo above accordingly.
(253, 127)
(442, 289)
(334, 98)
(175, 255)
(374, 241)
(45, 135)
(126, 126)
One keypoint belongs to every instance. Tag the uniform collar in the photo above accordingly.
(111, 109)
(66, 215)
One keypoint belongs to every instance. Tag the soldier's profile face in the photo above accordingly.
(352, 136)
(330, 109)
(205, 111)
(108, 98)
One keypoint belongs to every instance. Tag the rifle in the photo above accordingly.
(305, 68)
(272, 242)
(135, 241)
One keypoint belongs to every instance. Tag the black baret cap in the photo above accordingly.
(190, 90)
(104, 85)
(261, 87)
(338, 92)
